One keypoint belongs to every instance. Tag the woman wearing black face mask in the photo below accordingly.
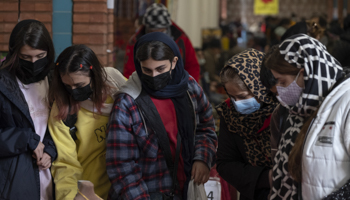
(82, 95)
(26, 148)
(161, 129)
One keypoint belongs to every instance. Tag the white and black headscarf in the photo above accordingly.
(157, 16)
(321, 73)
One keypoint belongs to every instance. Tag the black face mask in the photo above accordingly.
(80, 94)
(157, 82)
(33, 72)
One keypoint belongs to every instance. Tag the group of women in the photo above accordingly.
(73, 120)
(148, 137)
(286, 138)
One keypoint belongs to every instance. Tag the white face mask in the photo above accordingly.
(289, 96)
(201, 61)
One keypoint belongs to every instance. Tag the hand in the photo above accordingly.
(200, 172)
(270, 177)
(39, 151)
(45, 161)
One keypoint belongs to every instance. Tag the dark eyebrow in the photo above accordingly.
(36, 55)
(76, 85)
(41, 53)
(160, 67)
(23, 54)
(242, 95)
(156, 67)
(145, 68)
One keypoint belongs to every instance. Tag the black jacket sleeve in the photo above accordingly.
(14, 141)
(50, 147)
(233, 166)
(342, 193)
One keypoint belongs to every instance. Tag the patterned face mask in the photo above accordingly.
(289, 96)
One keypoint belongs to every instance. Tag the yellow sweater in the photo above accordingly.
(83, 159)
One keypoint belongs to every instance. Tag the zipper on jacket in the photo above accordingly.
(307, 132)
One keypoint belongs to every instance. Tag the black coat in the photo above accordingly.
(232, 164)
(19, 173)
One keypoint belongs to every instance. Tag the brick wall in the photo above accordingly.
(124, 21)
(110, 38)
(30, 9)
(301, 8)
(125, 29)
(93, 26)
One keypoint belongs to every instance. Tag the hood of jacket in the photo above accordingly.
(132, 87)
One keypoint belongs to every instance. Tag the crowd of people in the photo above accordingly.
(72, 128)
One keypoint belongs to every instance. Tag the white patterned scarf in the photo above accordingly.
(321, 72)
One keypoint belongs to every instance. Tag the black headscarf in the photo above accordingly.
(178, 84)
(176, 90)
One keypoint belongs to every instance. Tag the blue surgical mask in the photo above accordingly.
(246, 106)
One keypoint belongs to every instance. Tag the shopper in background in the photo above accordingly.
(157, 19)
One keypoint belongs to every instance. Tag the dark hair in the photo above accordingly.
(196, 49)
(322, 20)
(335, 28)
(229, 74)
(284, 22)
(214, 43)
(156, 50)
(139, 22)
(341, 50)
(34, 35)
(300, 27)
(266, 76)
(274, 60)
(346, 23)
(69, 61)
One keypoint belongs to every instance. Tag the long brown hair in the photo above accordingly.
(274, 60)
(69, 61)
(295, 156)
